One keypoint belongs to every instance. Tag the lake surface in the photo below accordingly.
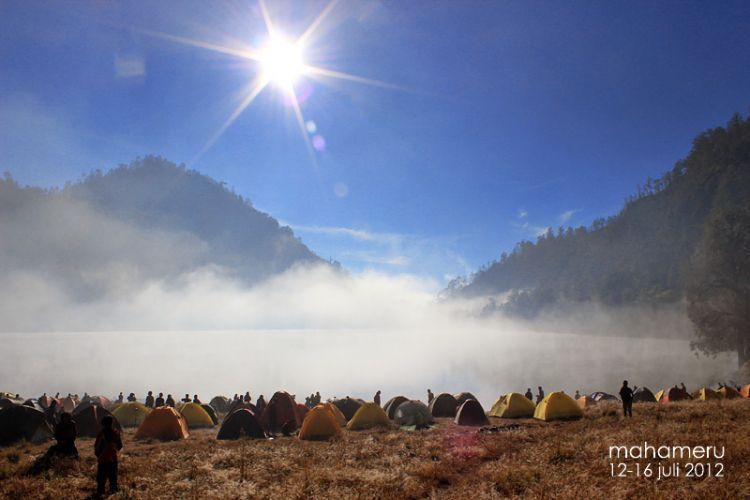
(485, 362)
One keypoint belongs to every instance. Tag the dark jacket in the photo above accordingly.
(626, 394)
(107, 444)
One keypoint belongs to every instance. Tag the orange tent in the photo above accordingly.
(745, 392)
(674, 394)
(163, 423)
(340, 418)
(319, 424)
(585, 401)
(728, 392)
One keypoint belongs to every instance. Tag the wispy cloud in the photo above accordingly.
(567, 215)
(370, 258)
(526, 227)
(360, 249)
(129, 66)
(357, 234)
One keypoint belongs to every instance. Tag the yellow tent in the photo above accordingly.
(727, 392)
(131, 414)
(557, 406)
(513, 405)
(706, 394)
(658, 395)
(195, 415)
(319, 424)
(369, 415)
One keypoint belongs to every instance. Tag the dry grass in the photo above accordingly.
(533, 459)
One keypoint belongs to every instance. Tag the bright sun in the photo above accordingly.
(282, 61)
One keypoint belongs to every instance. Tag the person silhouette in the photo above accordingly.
(626, 394)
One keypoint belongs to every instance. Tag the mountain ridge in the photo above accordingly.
(640, 255)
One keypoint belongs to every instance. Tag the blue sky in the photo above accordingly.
(509, 117)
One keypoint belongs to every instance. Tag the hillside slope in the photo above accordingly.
(640, 255)
(150, 220)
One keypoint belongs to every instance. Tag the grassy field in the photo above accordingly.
(525, 458)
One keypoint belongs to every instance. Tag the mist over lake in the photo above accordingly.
(485, 361)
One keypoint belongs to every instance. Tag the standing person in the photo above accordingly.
(317, 397)
(186, 399)
(195, 399)
(529, 394)
(260, 405)
(577, 395)
(159, 400)
(170, 400)
(106, 446)
(540, 396)
(52, 412)
(132, 398)
(376, 399)
(626, 394)
(120, 398)
(150, 399)
(430, 396)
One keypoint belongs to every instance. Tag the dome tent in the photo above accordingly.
(239, 404)
(413, 413)
(211, 413)
(706, 394)
(643, 395)
(68, 404)
(23, 423)
(600, 396)
(585, 401)
(462, 397)
(220, 404)
(392, 404)
(471, 413)
(195, 416)
(513, 405)
(238, 423)
(319, 424)
(728, 392)
(6, 403)
(369, 415)
(557, 406)
(89, 420)
(340, 418)
(348, 406)
(163, 423)
(281, 414)
(94, 401)
(444, 405)
(672, 394)
(131, 414)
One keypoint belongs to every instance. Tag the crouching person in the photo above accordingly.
(65, 435)
(107, 444)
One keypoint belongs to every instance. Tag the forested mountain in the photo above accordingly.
(642, 254)
(150, 220)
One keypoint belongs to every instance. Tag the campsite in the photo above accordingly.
(558, 448)
(374, 249)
